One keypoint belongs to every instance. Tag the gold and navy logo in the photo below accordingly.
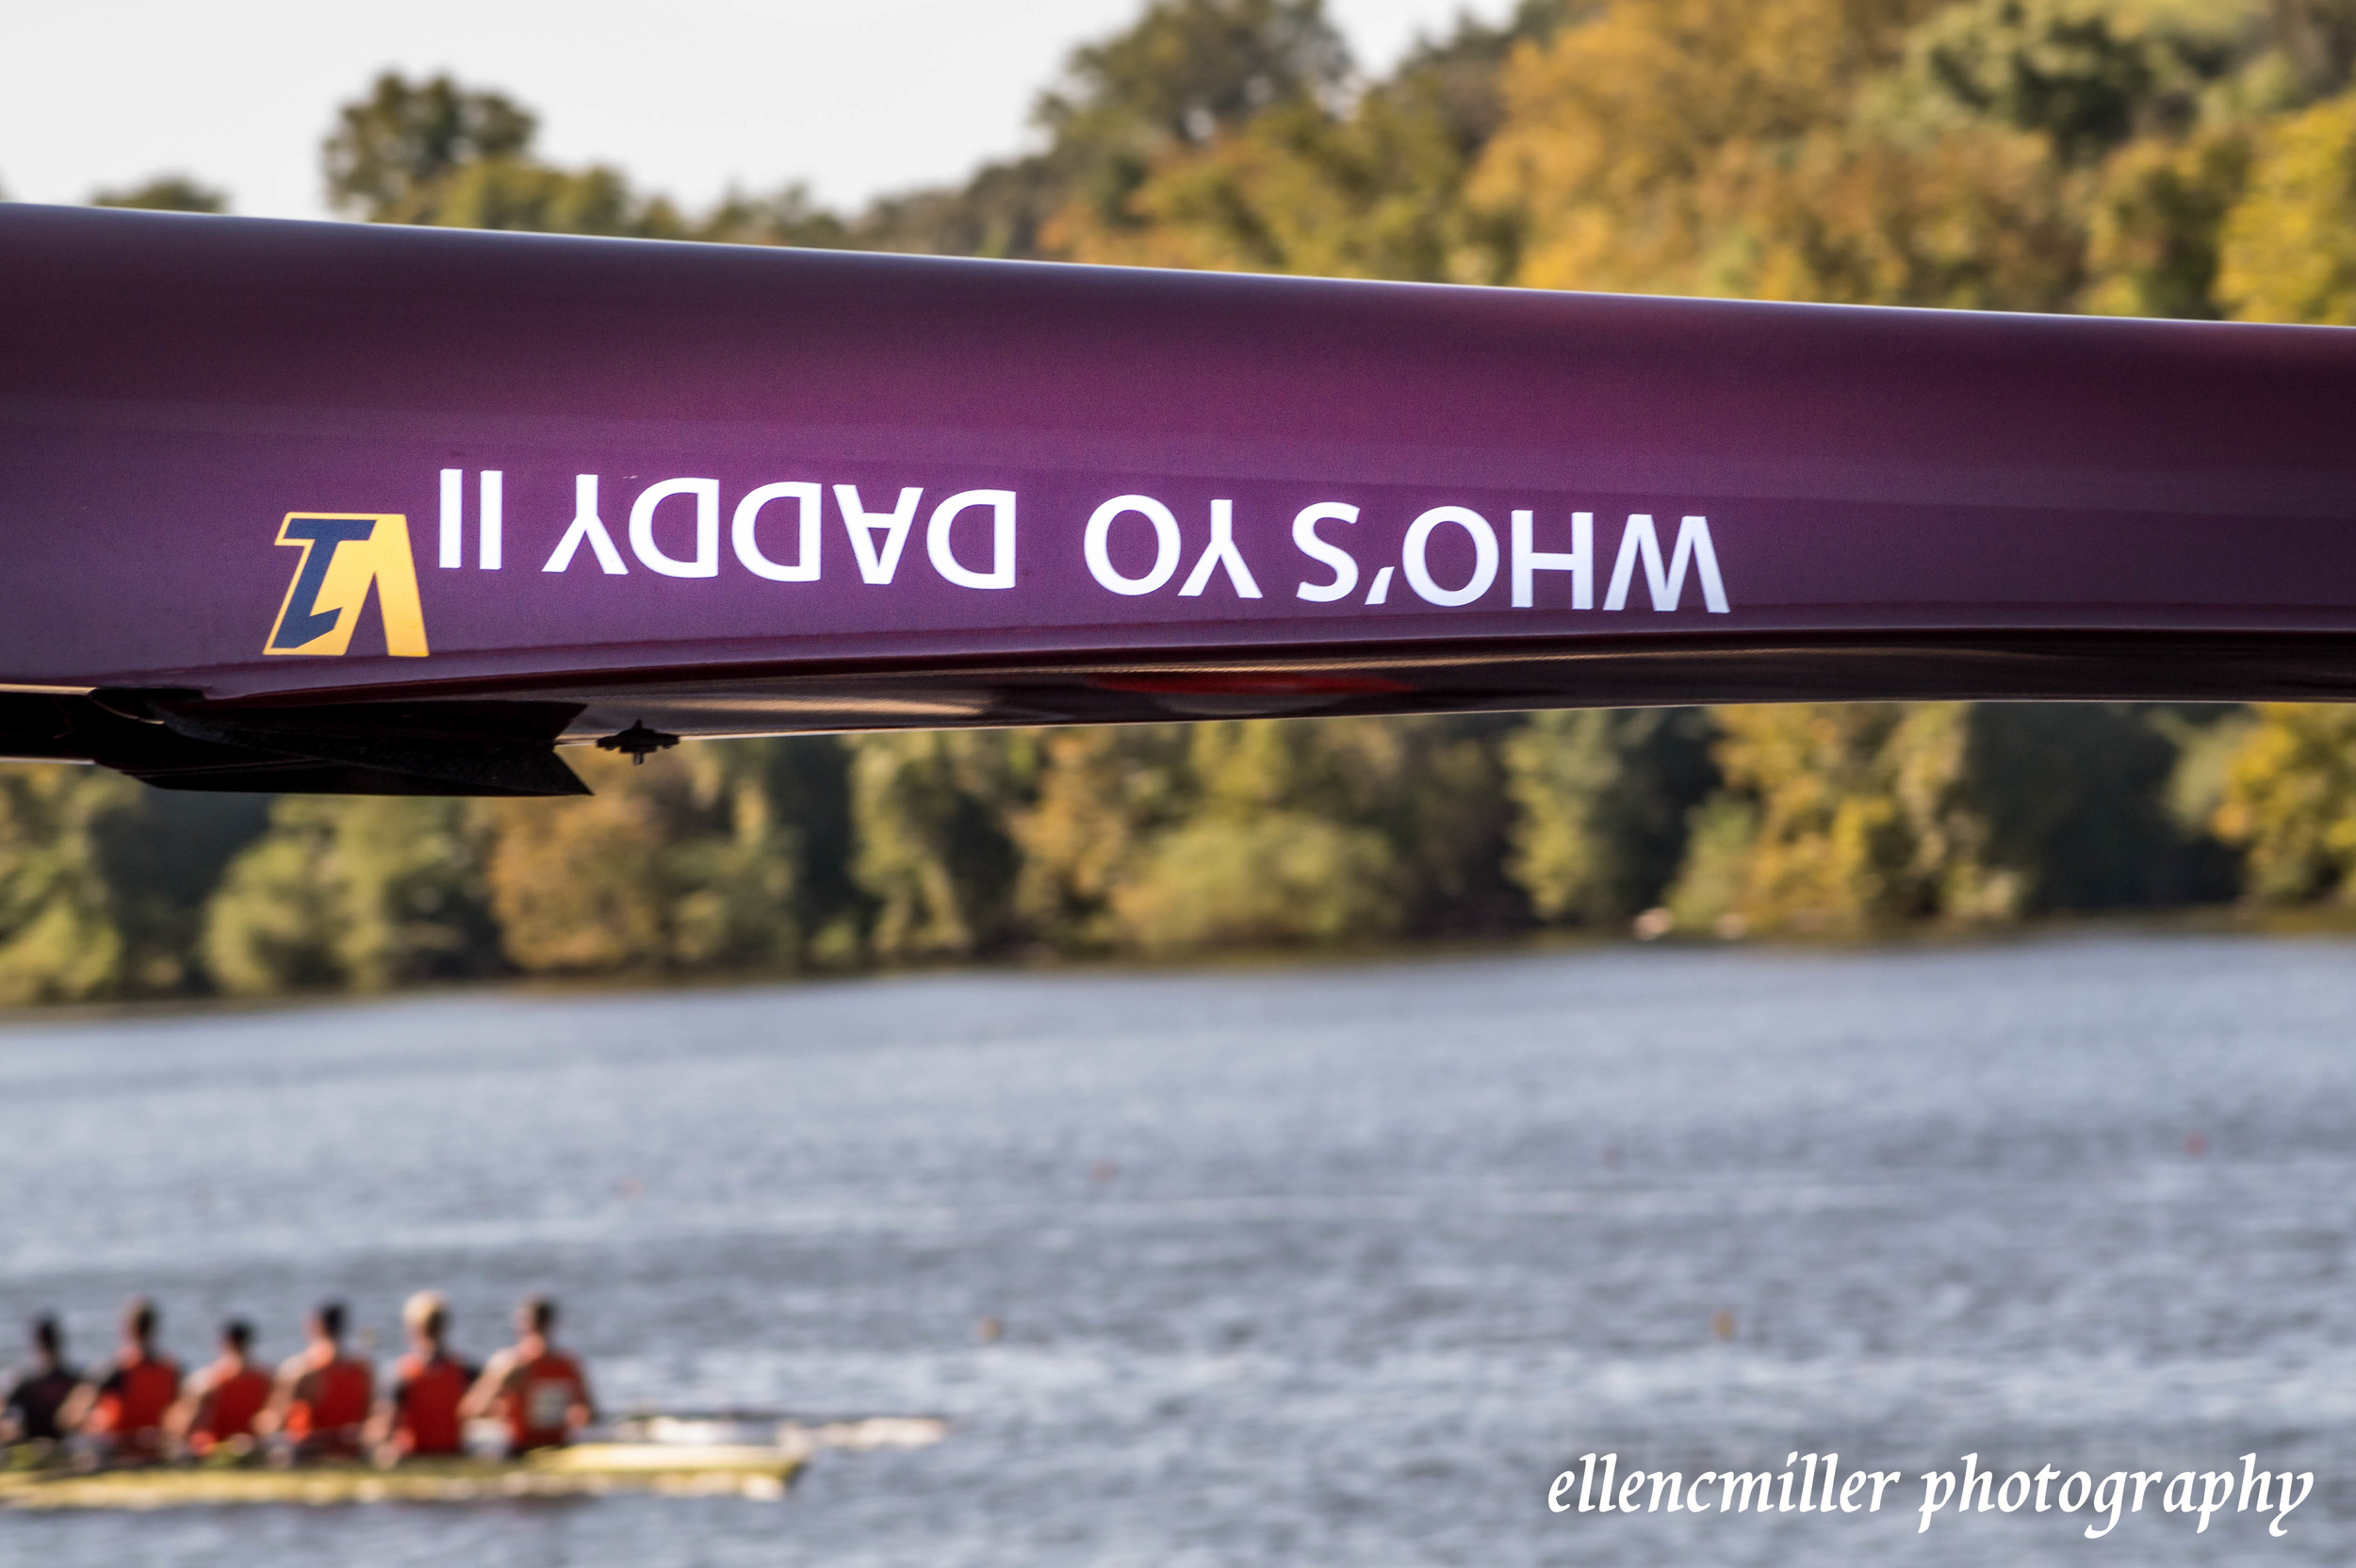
(344, 553)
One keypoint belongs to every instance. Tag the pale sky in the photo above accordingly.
(856, 96)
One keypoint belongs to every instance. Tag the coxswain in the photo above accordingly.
(320, 1406)
(125, 1411)
(223, 1401)
(418, 1419)
(38, 1393)
(536, 1389)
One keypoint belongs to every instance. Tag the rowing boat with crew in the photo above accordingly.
(138, 1434)
(733, 1454)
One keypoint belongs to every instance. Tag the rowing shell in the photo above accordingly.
(588, 1469)
(386, 509)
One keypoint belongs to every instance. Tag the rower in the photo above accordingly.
(221, 1402)
(125, 1411)
(419, 1418)
(536, 1389)
(321, 1405)
(29, 1415)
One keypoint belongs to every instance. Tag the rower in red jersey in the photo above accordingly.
(221, 1402)
(418, 1419)
(321, 1403)
(125, 1410)
(536, 1390)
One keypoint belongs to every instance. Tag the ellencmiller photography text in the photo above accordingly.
(1594, 1487)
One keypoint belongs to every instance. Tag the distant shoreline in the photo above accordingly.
(2305, 922)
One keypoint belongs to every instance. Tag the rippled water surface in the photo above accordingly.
(1327, 1266)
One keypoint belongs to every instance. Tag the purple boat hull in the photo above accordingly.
(316, 506)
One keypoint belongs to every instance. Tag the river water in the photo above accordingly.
(1329, 1266)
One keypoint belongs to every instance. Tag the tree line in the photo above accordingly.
(2159, 157)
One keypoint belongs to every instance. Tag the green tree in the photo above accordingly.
(1273, 854)
(162, 853)
(1262, 878)
(936, 853)
(166, 193)
(365, 891)
(684, 864)
(2080, 803)
(2022, 154)
(2289, 252)
(271, 926)
(1184, 72)
(2316, 40)
(1439, 794)
(788, 216)
(579, 885)
(1304, 831)
(1186, 68)
(517, 193)
(1373, 188)
(392, 151)
(807, 781)
(1859, 818)
(2088, 75)
(1636, 137)
(1001, 212)
(60, 939)
(1105, 795)
(437, 153)
(1603, 797)
(2156, 230)
(102, 882)
(2289, 800)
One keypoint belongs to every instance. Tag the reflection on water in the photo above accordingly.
(1329, 1266)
